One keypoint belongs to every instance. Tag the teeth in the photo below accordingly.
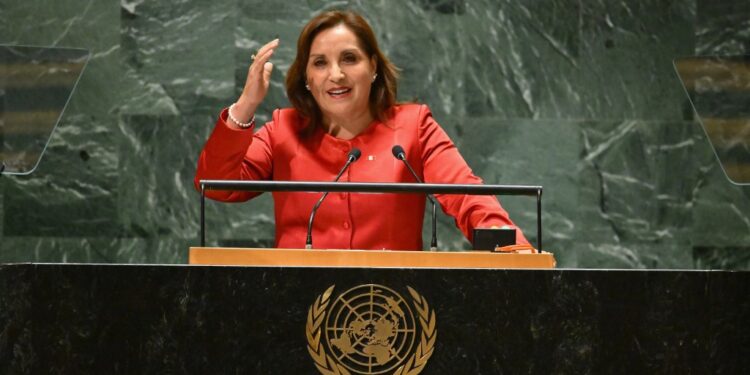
(338, 92)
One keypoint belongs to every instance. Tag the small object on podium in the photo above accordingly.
(517, 249)
(491, 238)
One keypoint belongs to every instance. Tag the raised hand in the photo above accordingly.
(256, 85)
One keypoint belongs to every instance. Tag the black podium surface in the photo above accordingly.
(57, 318)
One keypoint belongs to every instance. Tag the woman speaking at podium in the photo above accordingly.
(343, 92)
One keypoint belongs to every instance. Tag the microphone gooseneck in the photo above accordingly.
(353, 156)
(399, 153)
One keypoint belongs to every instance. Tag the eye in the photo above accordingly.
(349, 58)
(319, 62)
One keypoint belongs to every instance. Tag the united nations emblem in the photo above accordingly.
(370, 329)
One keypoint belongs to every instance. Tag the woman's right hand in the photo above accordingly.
(256, 85)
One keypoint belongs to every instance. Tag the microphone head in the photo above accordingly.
(398, 152)
(354, 154)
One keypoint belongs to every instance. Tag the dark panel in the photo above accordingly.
(189, 319)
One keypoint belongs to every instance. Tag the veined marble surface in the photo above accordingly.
(580, 97)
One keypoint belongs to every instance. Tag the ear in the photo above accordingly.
(374, 63)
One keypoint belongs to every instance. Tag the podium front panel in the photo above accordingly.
(257, 320)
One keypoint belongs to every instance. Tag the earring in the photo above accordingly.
(374, 76)
(307, 87)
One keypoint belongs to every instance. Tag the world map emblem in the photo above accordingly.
(370, 329)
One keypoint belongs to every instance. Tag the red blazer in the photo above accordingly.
(279, 151)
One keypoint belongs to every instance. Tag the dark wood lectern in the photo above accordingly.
(145, 319)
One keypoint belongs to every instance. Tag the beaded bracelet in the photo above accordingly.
(240, 124)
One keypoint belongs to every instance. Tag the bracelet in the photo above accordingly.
(240, 124)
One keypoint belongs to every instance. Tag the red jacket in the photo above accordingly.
(279, 151)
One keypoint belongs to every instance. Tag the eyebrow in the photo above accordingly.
(343, 51)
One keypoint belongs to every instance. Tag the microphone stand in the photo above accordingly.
(354, 154)
(399, 153)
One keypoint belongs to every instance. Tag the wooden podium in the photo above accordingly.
(368, 258)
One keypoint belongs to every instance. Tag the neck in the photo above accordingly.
(347, 127)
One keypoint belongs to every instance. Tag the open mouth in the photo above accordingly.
(339, 92)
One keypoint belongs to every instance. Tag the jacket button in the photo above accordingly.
(346, 225)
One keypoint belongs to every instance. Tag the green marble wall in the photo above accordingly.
(580, 97)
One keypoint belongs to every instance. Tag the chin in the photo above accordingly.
(342, 109)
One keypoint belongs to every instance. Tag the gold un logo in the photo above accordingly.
(370, 329)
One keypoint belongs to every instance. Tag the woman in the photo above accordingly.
(343, 90)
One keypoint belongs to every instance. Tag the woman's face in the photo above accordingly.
(339, 73)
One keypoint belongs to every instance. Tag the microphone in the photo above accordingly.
(353, 156)
(400, 154)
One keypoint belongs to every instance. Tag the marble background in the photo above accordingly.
(580, 97)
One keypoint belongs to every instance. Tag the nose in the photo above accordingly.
(336, 74)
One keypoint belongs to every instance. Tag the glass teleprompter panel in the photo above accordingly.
(35, 86)
(719, 90)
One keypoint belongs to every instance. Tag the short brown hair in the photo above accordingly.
(383, 90)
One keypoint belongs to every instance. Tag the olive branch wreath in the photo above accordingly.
(327, 366)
